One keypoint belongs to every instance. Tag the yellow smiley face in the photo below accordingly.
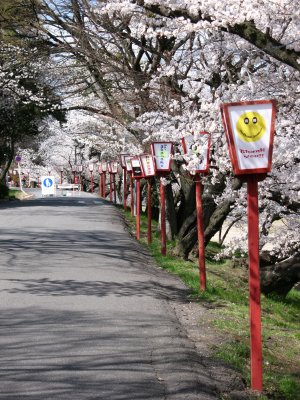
(251, 126)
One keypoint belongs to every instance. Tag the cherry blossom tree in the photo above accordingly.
(148, 70)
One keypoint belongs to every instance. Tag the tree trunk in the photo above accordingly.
(279, 277)
(171, 221)
(187, 199)
(213, 217)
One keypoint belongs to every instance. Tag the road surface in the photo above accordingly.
(84, 312)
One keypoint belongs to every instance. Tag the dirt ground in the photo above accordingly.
(196, 321)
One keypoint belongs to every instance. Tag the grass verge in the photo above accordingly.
(227, 293)
(15, 194)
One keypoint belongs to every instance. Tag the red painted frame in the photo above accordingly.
(160, 170)
(137, 158)
(230, 140)
(200, 171)
(122, 160)
(128, 157)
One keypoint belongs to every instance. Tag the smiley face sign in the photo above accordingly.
(249, 128)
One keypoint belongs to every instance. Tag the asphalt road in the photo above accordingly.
(84, 312)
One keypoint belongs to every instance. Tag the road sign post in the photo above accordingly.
(48, 185)
(249, 128)
(18, 160)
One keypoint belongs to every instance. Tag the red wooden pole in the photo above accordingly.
(92, 182)
(149, 234)
(254, 285)
(104, 185)
(115, 189)
(110, 187)
(200, 229)
(125, 188)
(138, 209)
(131, 196)
(100, 185)
(163, 219)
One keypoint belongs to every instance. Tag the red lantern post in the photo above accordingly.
(137, 174)
(91, 169)
(61, 175)
(74, 173)
(197, 146)
(80, 169)
(129, 169)
(110, 180)
(249, 128)
(123, 165)
(100, 180)
(104, 169)
(114, 171)
(161, 152)
(147, 163)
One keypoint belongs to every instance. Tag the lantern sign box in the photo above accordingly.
(249, 128)
(104, 166)
(162, 155)
(197, 147)
(100, 169)
(147, 163)
(137, 171)
(123, 160)
(114, 167)
(128, 163)
(109, 167)
(91, 167)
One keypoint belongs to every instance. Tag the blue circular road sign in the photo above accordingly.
(48, 182)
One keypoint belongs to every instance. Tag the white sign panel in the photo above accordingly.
(251, 128)
(128, 163)
(162, 154)
(48, 185)
(197, 150)
(147, 164)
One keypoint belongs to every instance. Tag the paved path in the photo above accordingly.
(84, 313)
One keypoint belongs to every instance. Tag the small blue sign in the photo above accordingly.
(48, 182)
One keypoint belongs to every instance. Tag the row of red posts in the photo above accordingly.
(158, 163)
(249, 129)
